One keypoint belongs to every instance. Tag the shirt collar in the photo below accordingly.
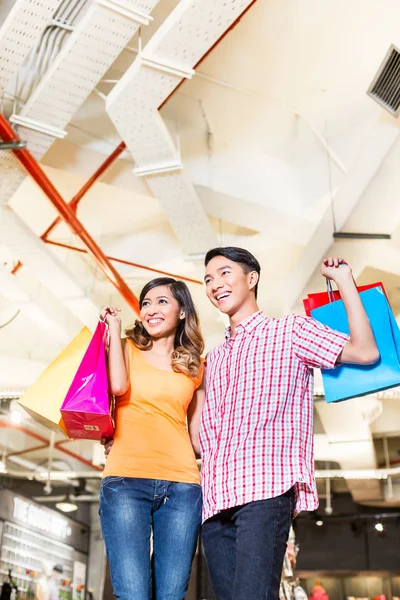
(248, 324)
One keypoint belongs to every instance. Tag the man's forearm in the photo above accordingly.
(362, 346)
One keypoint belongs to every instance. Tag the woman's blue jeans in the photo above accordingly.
(130, 510)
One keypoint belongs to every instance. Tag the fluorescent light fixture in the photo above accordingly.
(349, 235)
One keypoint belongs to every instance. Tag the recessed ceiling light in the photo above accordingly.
(67, 505)
(379, 526)
(16, 417)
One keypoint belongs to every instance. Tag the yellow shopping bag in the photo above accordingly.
(43, 399)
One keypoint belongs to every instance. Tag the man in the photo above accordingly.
(256, 434)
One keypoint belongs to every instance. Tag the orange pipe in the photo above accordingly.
(90, 182)
(126, 262)
(76, 199)
(74, 455)
(33, 449)
(56, 445)
(68, 215)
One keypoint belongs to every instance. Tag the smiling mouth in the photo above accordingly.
(155, 321)
(222, 296)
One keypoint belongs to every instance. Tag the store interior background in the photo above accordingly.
(281, 147)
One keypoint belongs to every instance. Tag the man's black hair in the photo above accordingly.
(243, 257)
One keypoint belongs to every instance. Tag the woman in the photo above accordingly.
(151, 481)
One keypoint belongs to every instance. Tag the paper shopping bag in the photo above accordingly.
(43, 399)
(87, 408)
(347, 381)
(322, 298)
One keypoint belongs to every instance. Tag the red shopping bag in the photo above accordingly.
(323, 298)
(88, 408)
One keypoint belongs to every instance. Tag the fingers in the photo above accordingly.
(333, 261)
(109, 310)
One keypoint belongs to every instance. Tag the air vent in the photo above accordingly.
(385, 88)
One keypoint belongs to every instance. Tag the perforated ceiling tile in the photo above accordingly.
(184, 210)
(92, 48)
(11, 176)
(142, 5)
(183, 39)
(189, 31)
(142, 86)
(20, 32)
(153, 144)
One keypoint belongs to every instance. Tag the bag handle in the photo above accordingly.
(331, 295)
(107, 330)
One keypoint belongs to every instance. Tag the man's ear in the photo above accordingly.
(253, 278)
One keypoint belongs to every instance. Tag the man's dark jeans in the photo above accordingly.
(245, 547)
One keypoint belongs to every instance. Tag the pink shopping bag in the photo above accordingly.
(88, 408)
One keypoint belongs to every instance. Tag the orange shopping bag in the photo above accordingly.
(43, 399)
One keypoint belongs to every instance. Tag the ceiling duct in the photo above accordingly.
(385, 88)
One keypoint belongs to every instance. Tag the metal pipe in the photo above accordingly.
(96, 175)
(390, 493)
(27, 450)
(57, 444)
(68, 215)
(76, 456)
(124, 262)
(119, 151)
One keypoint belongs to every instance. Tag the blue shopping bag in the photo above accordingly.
(347, 381)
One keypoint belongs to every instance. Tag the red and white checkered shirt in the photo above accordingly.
(256, 432)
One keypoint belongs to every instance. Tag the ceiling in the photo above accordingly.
(279, 144)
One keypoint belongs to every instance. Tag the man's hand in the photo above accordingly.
(107, 443)
(335, 269)
(361, 348)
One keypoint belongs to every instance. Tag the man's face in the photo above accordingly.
(228, 287)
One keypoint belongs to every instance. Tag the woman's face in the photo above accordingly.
(160, 312)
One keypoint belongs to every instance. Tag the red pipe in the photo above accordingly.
(74, 455)
(90, 182)
(126, 262)
(110, 159)
(68, 215)
(56, 445)
(33, 449)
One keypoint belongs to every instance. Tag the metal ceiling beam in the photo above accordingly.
(68, 215)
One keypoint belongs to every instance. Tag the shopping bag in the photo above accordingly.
(322, 298)
(43, 399)
(87, 408)
(347, 381)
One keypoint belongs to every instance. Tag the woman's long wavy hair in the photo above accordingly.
(189, 343)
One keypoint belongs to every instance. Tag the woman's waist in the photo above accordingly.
(165, 467)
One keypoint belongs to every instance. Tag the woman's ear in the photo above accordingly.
(182, 315)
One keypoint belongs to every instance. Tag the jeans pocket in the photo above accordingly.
(111, 479)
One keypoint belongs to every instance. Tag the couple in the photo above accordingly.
(253, 428)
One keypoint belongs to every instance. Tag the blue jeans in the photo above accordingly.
(130, 509)
(245, 547)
